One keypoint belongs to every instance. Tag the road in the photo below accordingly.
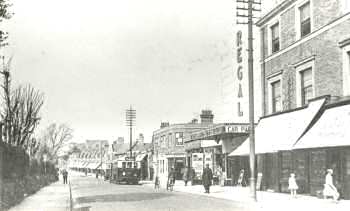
(92, 194)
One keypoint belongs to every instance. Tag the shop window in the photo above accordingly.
(275, 41)
(179, 139)
(305, 19)
(306, 86)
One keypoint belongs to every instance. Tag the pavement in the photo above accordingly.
(265, 200)
(91, 194)
(54, 197)
(97, 194)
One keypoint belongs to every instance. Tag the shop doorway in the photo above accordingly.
(179, 167)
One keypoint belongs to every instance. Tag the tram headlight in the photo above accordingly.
(123, 173)
(135, 175)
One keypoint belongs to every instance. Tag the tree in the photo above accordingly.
(20, 112)
(55, 137)
(26, 103)
(4, 14)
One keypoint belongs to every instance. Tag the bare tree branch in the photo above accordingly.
(55, 137)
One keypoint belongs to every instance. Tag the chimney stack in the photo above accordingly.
(164, 124)
(207, 117)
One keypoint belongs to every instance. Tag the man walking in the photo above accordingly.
(207, 177)
(186, 175)
(65, 175)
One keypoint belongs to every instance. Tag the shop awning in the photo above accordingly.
(82, 164)
(331, 130)
(98, 165)
(210, 143)
(140, 157)
(90, 165)
(106, 166)
(280, 132)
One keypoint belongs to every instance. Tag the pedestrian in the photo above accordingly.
(292, 185)
(171, 179)
(186, 175)
(157, 183)
(192, 175)
(219, 175)
(207, 178)
(65, 176)
(329, 188)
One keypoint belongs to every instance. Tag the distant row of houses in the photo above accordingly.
(96, 156)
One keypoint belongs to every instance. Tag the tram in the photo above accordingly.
(126, 170)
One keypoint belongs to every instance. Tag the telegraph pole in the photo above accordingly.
(101, 156)
(245, 9)
(130, 122)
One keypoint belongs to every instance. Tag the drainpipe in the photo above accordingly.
(262, 31)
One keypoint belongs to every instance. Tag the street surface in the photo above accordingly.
(93, 194)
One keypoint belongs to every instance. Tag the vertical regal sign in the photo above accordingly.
(239, 72)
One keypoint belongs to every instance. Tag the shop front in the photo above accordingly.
(275, 137)
(327, 146)
(211, 146)
(177, 161)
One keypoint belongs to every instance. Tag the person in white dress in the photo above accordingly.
(329, 188)
(292, 185)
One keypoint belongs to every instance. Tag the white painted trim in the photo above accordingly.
(307, 38)
(346, 70)
(297, 26)
(270, 81)
(304, 61)
(274, 74)
(272, 22)
(298, 69)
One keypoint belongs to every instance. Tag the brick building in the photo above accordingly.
(169, 147)
(304, 53)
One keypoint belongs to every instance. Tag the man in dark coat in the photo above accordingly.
(207, 177)
(186, 175)
(65, 175)
(171, 179)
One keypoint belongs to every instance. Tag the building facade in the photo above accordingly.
(169, 146)
(304, 53)
(305, 69)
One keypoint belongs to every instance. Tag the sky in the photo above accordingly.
(93, 59)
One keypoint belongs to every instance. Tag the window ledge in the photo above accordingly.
(344, 43)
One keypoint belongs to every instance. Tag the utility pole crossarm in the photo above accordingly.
(130, 122)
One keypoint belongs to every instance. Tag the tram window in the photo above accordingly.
(129, 164)
(124, 165)
(135, 165)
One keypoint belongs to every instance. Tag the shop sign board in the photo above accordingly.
(219, 130)
(208, 159)
(197, 163)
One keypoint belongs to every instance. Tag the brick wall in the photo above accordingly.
(324, 11)
(328, 63)
(288, 32)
